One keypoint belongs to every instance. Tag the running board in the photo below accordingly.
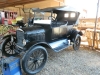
(59, 45)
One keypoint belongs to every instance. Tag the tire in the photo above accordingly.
(31, 60)
(8, 47)
(76, 44)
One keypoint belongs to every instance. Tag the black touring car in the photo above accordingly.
(51, 28)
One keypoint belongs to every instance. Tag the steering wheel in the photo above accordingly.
(51, 17)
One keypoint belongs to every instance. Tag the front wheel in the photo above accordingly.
(77, 42)
(34, 60)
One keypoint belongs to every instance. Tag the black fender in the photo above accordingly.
(9, 36)
(72, 34)
(31, 44)
(80, 33)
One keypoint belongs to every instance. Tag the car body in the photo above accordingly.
(52, 29)
(48, 31)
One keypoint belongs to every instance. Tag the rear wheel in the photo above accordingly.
(77, 42)
(34, 60)
(8, 47)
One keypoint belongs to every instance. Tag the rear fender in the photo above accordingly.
(80, 33)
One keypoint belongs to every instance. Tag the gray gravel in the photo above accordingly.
(70, 62)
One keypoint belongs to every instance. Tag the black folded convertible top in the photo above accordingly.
(56, 9)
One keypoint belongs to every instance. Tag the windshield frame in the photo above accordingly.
(51, 14)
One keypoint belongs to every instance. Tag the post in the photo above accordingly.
(96, 20)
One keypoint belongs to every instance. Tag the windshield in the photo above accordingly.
(44, 16)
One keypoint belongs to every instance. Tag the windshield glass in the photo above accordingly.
(27, 10)
(44, 16)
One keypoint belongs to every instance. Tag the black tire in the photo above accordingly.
(8, 47)
(31, 60)
(76, 44)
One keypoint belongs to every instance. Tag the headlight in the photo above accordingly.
(24, 42)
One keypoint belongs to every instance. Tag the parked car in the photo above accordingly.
(53, 30)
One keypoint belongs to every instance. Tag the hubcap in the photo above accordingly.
(12, 47)
(35, 61)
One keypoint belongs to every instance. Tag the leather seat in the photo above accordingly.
(55, 24)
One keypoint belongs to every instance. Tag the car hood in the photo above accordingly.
(31, 29)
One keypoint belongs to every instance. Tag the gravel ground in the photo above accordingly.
(70, 62)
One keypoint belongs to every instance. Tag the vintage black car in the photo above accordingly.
(52, 29)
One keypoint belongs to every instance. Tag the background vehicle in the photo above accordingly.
(52, 30)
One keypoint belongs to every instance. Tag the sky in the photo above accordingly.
(89, 5)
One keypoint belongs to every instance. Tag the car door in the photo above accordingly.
(62, 30)
(55, 31)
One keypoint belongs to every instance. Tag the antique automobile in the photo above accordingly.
(52, 29)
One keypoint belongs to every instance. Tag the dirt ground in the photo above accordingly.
(70, 62)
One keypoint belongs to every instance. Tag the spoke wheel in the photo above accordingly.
(8, 47)
(34, 60)
(77, 42)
